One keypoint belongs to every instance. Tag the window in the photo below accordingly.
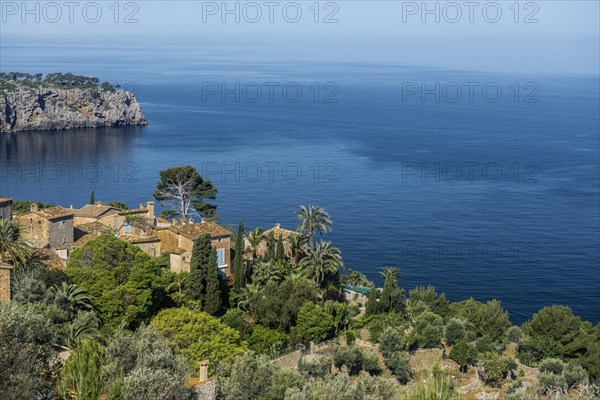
(127, 227)
(262, 246)
(220, 256)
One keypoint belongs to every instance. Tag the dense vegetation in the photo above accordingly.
(14, 80)
(137, 331)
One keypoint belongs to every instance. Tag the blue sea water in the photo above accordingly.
(489, 197)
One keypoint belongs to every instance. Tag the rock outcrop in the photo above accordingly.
(52, 108)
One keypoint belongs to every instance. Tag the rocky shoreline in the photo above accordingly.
(52, 108)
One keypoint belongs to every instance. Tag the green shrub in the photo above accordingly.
(511, 363)
(378, 323)
(514, 334)
(464, 354)
(265, 340)
(370, 363)
(234, 318)
(315, 369)
(493, 368)
(485, 345)
(428, 330)
(350, 338)
(439, 387)
(533, 350)
(314, 324)
(574, 374)
(455, 331)
(251, 377)
(391, 341)
(352, 358)
(552, 383)
(284, 379)
(399, 365)
(552, 365)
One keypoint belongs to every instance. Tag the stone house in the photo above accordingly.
(90, 228)
(50, 227)
(138, 221)
(6, 208)
(277, 231)
(178, 240)
(106, 215)
(5, 281)
(150, 244)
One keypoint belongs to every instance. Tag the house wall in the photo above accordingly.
(175, 262)
(6, 211)
(150, 248)
(60, 232)
(34, 229)
(287, 247)
(83, 220)
(4, 284)
(223, 243)
(114, 221)
(168, 239)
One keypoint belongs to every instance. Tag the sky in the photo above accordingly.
(508, 36)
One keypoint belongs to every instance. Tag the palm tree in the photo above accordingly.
(313, 219)
(71, 297)
(247, 297)
(390, 274)
(297, 244)
(254, 237)
(264, 273)
(77, 331)
(177, 286)
(324, 259)
(12, 248)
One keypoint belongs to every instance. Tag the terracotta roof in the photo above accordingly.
(55, 212)
(90, 228)
(84, 239)
(5, 200)
(93, 227)
(95, 211)
(139, 238)
(193, 231)
(278, 231)
(134, 211)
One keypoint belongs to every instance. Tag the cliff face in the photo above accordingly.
(46, 108)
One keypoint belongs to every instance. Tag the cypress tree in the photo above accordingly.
(93, 197)
(392, 297)
(239, 272)
(372, 303)
(271, 243)
(279, 250)
(203, 286)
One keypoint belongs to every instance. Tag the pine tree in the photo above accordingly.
(239, 272)
(203, 286)
(279, 250)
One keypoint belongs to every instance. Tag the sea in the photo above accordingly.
(484, 185)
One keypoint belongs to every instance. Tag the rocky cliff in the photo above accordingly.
(51, 108)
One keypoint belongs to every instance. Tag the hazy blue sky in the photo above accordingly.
(542, 36)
